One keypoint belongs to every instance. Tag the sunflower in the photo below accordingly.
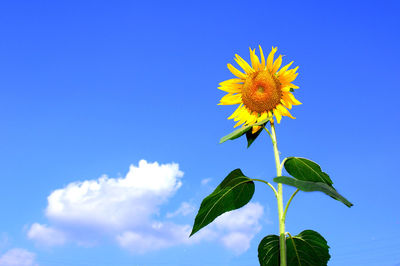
(261, 91)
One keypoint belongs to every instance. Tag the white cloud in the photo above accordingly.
(85, 212)
(241, 219)
(45, 235)
(205, 181)
(238, 242)
(18, 257)
(184, 210)
(237, 228)
(127, 211)
(111, 203)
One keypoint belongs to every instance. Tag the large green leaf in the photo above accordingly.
(241, 131)
(235, 191)
(268, 251)
(309, 186)
(306, 170)
(308, 248)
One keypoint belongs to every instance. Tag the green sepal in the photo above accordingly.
(241, 131)
(235, 191)
(252, 137)
(308, 248)
(309, 186)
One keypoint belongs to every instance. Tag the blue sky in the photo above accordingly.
(90, 88)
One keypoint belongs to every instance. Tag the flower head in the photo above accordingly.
(261, 91)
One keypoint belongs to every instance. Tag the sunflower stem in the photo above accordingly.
(281, 216)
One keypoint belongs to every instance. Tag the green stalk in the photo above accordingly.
(288, 203)
(269, 184)
(282, 237)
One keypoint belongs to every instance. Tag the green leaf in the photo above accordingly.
(309, 177)
(309, 186)
(235, 191)
(306, 170)
(268, 251)
(241, 131)
(252, 137)
(308, 248)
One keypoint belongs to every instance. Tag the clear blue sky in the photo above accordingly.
(91, 87)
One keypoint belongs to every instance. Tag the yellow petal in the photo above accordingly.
(293, 99)
(293, 70)
(286, 103)
(252, 118)
(230, 99)
(284, 111)
(287, 77)
(255, 62)
(232, 88)
(283, 69)
(292, 77)
(237, 111)
(277, 115)
(242, 115)
(243, 64)
(231, 81)
(238, 124)
(277, 64)
(290, 71)
(263, 117)
(236, 72)
(262, 57)
(255, 129)
(270, 58)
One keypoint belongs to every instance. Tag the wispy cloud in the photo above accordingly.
(160, 235)
(184, 210)
(205, 181)
(45, 235)
(4, 240)
(18, 257)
